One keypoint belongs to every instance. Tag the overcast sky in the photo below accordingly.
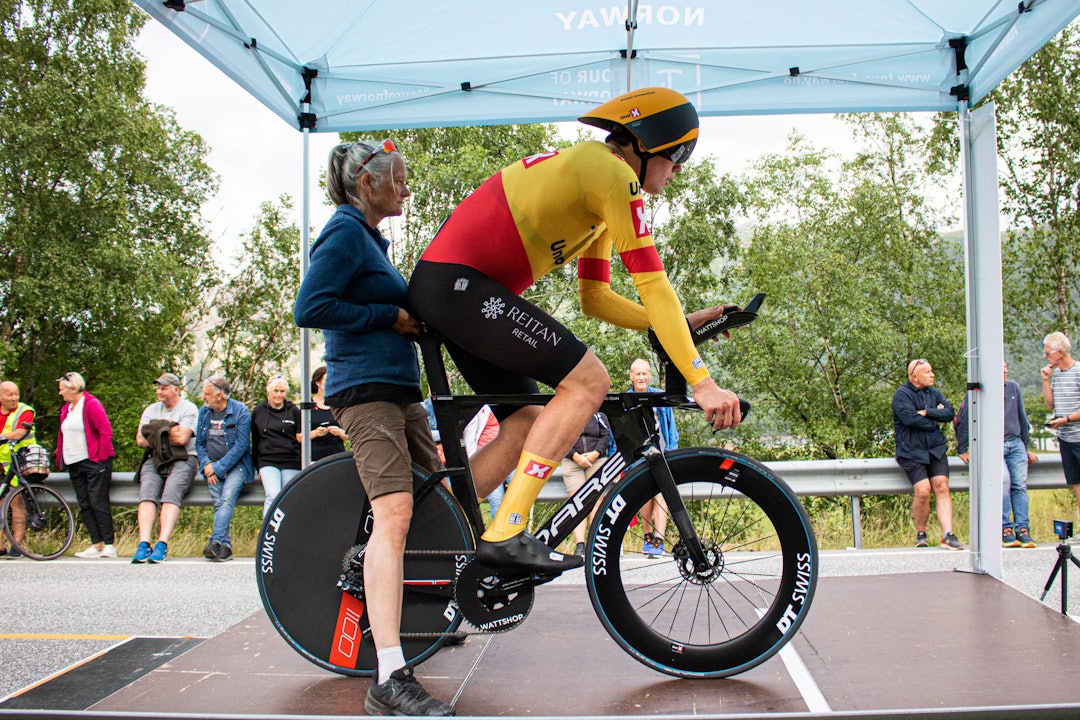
(259, 157)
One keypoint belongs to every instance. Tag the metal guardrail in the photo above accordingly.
(807, 478)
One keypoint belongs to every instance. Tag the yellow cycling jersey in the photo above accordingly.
(579, 203)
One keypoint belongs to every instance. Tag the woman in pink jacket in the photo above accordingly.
(85, 448)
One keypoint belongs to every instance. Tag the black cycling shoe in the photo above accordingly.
(402, 694)
(525, 552)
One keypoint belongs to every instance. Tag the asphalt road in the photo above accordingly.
(55, 614)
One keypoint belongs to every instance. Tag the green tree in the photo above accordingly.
(100, 193)
(858, 283)
(253, 336)
(1038, 116)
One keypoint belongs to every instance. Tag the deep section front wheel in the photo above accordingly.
(717, 619)
(38, 522)
(317, 524)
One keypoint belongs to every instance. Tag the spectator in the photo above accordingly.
(85, 448)
(357, 297)
(1014, 495)
(327, 437)
(223, 444)
(1061, 393)
(654, 514)
(585, 458)
(918, 410)
(275, 439)
(13, 415)
(163, 482)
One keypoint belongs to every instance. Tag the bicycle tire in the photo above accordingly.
(306, 534)
(47, 519)
(716, 624)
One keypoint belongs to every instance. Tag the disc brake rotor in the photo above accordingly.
(490, 603)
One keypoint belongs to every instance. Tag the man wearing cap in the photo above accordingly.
(166, 486)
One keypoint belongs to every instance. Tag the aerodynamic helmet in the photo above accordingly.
(662, 119)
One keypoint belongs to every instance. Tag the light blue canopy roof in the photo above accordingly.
(376, 64)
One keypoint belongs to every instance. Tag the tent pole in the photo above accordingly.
(631, 25)
(985, 353)
(305, 339)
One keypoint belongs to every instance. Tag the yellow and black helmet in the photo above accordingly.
(662, 119)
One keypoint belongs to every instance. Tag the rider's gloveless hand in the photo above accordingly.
(721, 406)
(704, 315)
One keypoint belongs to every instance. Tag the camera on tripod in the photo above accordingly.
(1063, 529)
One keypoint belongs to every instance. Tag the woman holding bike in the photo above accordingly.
(85, 447)
(357, 297)
(525, 221)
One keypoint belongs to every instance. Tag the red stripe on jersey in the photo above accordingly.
(644, 259)
(594, 269)
(493, 246)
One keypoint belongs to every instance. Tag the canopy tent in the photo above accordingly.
(357, 65)
(377, 64)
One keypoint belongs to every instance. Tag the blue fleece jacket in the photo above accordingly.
(352, 293)
(919, 437)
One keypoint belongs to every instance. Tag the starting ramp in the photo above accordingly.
(936, 644)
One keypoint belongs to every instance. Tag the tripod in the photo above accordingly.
(1064, 551)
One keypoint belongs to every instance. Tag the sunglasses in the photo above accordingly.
(680, 153)
(387, 146)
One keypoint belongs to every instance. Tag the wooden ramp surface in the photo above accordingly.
(872, 644)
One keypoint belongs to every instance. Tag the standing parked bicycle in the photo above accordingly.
(16, 432)
(84, 446)
(35, 519)
(530, 218)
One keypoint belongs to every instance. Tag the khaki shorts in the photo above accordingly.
(574, 476)
(387, 438)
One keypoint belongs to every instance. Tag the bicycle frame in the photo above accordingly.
(633, 426)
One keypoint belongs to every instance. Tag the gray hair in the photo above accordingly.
(1058, 341)
(349, 161)
(218, 382)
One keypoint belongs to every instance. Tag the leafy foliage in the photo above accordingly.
(858, 284)
(254, 336)
(101, 243)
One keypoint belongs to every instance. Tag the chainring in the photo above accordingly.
(491, 603)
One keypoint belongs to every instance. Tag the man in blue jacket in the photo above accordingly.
(921, 450)
(1014, 496)
(223, 444)
(654, 514)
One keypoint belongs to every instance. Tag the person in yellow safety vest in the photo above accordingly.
(12, 416)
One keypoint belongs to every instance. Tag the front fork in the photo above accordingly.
(677, 512)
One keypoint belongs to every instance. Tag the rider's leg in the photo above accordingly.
(493, 462)
(559, 424)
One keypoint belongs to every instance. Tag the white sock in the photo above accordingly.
(390, 659)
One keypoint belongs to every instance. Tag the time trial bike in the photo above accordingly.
(38, 522)
(736, 586)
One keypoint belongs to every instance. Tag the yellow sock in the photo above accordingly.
(529, 478)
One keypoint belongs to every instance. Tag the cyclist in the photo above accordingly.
(526, 220)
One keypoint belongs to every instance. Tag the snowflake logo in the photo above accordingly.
(493, 308)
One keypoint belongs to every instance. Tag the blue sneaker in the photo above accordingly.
(159, 553)
(650, 546)
(142, 553)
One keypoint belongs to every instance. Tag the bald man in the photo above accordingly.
(919, 409)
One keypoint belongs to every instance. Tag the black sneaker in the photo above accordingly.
(224, 553)
(579, 549)
(403, 695)
(920, 539)
(210, 552)
(525, 552)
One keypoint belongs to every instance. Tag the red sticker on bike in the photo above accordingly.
(347, 633)
(637, 214)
